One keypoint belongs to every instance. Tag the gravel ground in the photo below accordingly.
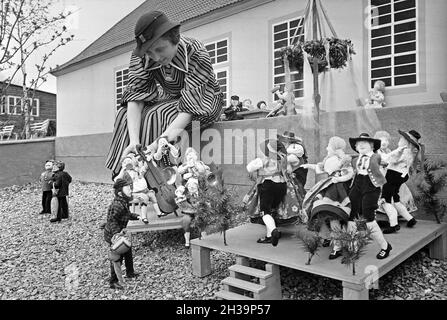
(41, 261)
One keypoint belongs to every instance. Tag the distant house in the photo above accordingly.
(405, 48)
(44, 105)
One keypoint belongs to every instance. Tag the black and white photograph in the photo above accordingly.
(223, 151)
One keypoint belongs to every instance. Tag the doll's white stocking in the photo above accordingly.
(143, 212)
(187, 237)
(157, 209)
(377, 234)
(269, 224)
(391, 212)
(402, 210)
(335, 227)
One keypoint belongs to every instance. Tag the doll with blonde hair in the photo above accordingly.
(376, 97)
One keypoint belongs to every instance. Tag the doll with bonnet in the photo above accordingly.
(328, 199)
(376, 97)
(399, 163)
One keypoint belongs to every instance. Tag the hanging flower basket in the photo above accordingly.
(340, 52)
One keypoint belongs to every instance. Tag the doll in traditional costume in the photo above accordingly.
(376, 97)
(400, 162)
(45, 180)
(406, 198)
(366, 189)
(271, 185)
(328, 199)
(135, 170)
(192, 166)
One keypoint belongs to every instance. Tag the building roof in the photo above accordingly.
(123, 32)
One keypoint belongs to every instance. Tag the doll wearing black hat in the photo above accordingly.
(399, 162)
(366, 188)
(271, 185)
(118, 215)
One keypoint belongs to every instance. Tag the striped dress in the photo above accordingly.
(188, 85)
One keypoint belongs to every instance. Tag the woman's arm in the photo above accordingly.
(134, 109)
(177, 126)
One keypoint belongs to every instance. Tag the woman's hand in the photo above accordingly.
(132, 147)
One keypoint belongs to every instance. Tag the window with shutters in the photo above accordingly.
(394, 42)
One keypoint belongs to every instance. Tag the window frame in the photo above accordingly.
(215, 42)
(392, 45)
(123, 85)
(227, 70)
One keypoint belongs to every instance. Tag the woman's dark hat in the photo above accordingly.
(149, 28)
(412, 136)
(120, 183)
(365, 137)
(289, 137)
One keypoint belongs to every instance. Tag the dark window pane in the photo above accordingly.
(210, 47)
(119, 90)
(222, 44)
(280, 44)
(298, 85)
(296, 76)
(213, 60)
(222, 58)
(380, 32)
(384, 10)
(381, 20)
(386, 80)
(221, 74)
(119, 79)
(280, 27)
(118, 96)
(405, 80)
(407, 26)
(381, 51)
(292, 33)
(126, 77)
(212, 54)
(405, 47)
(379, 2)
(280, 36)
(404, 37)
(409, 58)
(405, 15)
(405, 69)
(386, 72)
(277, 62)
(125, 71)
(298, 93)
(221, 51)
(279, 70)
(381, 42)
(222, 82)
(277, 54)
(379, 63)
(224, 89)
(294, 23)
(404, 5)
(280, 79)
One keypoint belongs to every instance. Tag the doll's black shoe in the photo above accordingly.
(334, 254)
(55, 220)
(411, 223)
(326, 243)
(392, 229)
(132, 275)
(145, 220)
(384, 253)
(265, 240)
(275, 237)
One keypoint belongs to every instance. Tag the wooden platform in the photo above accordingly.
(171, 221)
(289, 253)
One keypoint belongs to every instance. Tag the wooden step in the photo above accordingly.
(242, 284)
(258, 273)
(231, 296)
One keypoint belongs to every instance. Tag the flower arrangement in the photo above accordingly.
(340, 51)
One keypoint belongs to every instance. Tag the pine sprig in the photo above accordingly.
(311, 241)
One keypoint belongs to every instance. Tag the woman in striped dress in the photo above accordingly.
(171, 83)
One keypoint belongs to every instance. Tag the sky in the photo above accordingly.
(90, 20)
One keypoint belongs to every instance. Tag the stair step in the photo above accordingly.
(242, 284)
(231, 296)
(258, 273)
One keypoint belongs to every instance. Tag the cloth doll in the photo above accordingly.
(406, 198)
(399, 162)
(271, 185)
(328, 199)
(45, 180)
(167, 154)
(192, 166)
(133, 169)
(61, 181)
(366, 188)
(376, 97)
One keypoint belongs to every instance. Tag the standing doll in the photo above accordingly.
(47, 194)
(366, 188)
(376, 96)
(399, 162)
(328, 199)
(271, 186)
(61, 180)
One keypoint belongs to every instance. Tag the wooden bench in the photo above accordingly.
(289, 253)
(6, 131)
(39, 128)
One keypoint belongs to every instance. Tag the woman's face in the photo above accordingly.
(162, 51)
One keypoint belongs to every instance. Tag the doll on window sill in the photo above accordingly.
(329, 199)
(399, 163)
(376, 97)
(134, 170)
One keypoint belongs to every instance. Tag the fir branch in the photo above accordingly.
(311, 241)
